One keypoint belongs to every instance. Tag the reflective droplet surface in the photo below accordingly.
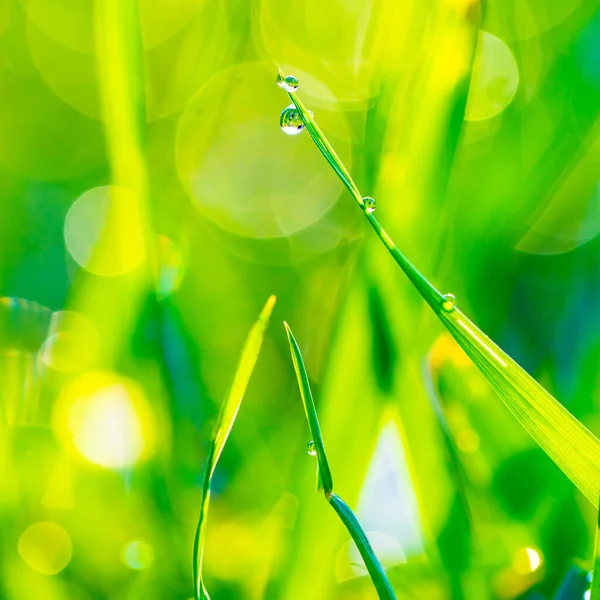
(291, 121)
(449, 303)
(311, 448)
(369, 204)
(289, 83)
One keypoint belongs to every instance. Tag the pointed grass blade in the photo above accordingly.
(311, 413)
(227, 415)
(568, 443)
(348, 518)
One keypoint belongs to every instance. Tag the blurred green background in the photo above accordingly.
(150, 205)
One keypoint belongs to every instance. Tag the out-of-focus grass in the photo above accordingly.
(501, 209)
(227, 416)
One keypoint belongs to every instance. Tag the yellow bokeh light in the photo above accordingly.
(45, 547)
(107, 419)
(138, 555)
(233, 550)
(494, 81)
(103, 231)
(526, 560)
(446, 350)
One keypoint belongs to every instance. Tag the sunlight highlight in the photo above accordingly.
(107, 419)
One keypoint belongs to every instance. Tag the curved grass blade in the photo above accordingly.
(376, 572)
(568, 443)
(227, 415)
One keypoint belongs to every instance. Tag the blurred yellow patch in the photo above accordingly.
(45, 547)
(104, 233)
(106, 418)
(446, 350)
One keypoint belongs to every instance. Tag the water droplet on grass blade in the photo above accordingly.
(311, 448)
(291, 121)
(369, 204)
(289, 83)
(449, 303)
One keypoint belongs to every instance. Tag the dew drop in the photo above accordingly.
(449, 303)
(291, 121)
(289, 84)
(369, 204)
(311, 448)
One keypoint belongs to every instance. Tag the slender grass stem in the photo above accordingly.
(348, 518)
(595, 590)
(227, 416)
(431, 295)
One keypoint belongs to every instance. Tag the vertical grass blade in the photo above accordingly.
(376, 572)
(227, 415)
(568, 443)
(595, 591)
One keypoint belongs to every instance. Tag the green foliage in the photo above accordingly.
(225, 420)
(569, 443)
(376, 572)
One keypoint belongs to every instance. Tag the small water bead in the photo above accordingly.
(291, 121)
(369, 204)
(312, 450)
(449, 303)
(289, 84)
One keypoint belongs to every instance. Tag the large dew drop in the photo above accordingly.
(311, 448)
(291, 121)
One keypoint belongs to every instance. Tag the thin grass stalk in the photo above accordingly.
(227, 415)
(348, 518)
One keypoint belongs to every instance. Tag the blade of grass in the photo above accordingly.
(227, 415)
(574, 449)
(376, 572)
(595, 590)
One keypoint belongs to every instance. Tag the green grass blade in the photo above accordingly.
(376, 572)
(566, 441)
(428, 291)
(595, 591)
(378, 576)
(574, 449)
(311, 413)
(227, 415)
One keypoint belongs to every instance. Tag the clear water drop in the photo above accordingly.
(312, 450)
(291, 121)
(449, 303)
(289, 84)
(369, 204)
